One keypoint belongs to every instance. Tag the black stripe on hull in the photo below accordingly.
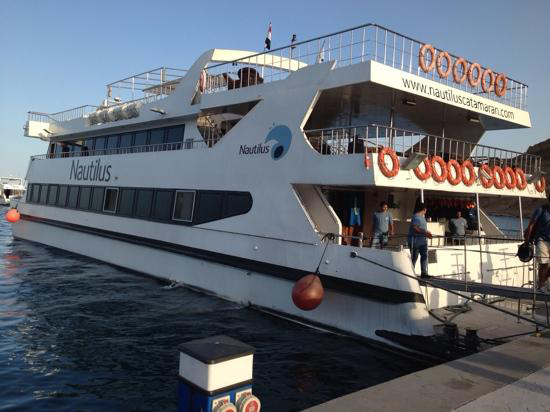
(349, 287)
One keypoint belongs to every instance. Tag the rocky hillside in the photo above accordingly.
(509, 207)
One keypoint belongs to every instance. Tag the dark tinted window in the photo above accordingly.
(28, 196)
(35, 193)
(183, 206)
(62, 196)
(126, 140)
(112, 142)
(140, 139)
(162, 207)
(99, 143)
(237, 204)
(52, 195)
(43, 194)
(84, 199)
(89, 143)
(157, 136)
(73, 196)
(143, 203)
(97, 199)
(174, 134)
(126, 203)
(75, 148)
(111, 195)
(209, 207)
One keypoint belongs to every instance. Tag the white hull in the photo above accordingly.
(352, 314)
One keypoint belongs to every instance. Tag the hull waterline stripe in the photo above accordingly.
(349, 287)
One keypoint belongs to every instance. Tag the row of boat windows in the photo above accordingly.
(163, 135)
(182, 206)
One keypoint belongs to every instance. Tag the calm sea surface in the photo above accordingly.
(80, 335)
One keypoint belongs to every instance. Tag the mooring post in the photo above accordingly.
(215, 375)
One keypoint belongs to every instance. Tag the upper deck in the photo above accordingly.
(403, 63)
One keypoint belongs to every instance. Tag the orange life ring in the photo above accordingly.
(439, 178)
(474, 81)
(422, 58)
(501, 181)
(366, 160)
(472, 173)
(428, 172)
(487, 89)
(521, 178)
(510, 177)
(453, 164)
(439, 64)
(460, 62)
(486, 182)
(541, 184)
(503, 81)
(382, 162)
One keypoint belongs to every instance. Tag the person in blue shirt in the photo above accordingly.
(417, 239)
(538, 231)
(382, 226)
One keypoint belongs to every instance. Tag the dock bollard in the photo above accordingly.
(215, 375)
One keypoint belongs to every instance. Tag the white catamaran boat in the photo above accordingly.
(237, 176)
(12, 189)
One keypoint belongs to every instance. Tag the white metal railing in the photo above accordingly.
(370, 138)
(161, 147)
(159, 81)
(65, 115)
(351, 46)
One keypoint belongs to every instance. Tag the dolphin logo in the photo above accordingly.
(283, 137)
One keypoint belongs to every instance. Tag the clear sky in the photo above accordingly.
(61, 54)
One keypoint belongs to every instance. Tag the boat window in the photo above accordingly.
(140, 139)
(184, 205)
(73, 197)
(35, 193)
(237, 204)
(157, 136)
(126, 140)
(109, 204)
(99, 143)
(52, 196)
(62, 196)
(162, 206)
(89, 144)
(174, 134)
(209, 207)
(74, 147)
(28, 198)
(143, 203)
(126, 204)
(43, 194)
(97, 199)
(112, 143)
(84, 199)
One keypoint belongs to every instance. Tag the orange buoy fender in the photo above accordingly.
(422, 58)
(501, 181)
(439, 64)
(13, 216)
(439, 177)
(456, 76)
(427, 172)
(308, 292)
(501, 82)
(541, 184)
(468, 181)
(510, 177)
(486, 182)
(521, 178)
(474, 81)
(487, 88)
(453, 164)
(382, 162)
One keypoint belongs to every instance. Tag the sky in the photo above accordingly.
(56, 55)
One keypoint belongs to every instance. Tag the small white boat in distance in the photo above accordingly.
(11, 190)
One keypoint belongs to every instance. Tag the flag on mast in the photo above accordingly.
(267, 45)
(292, 41)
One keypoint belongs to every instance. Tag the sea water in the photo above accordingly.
(77, 334)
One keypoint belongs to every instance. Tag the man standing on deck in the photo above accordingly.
(382, 226)
(418, 232)
(538, 231)
(458, 226)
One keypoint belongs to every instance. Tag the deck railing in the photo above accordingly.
(347, 47)
(357, 139)
(65, 115)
